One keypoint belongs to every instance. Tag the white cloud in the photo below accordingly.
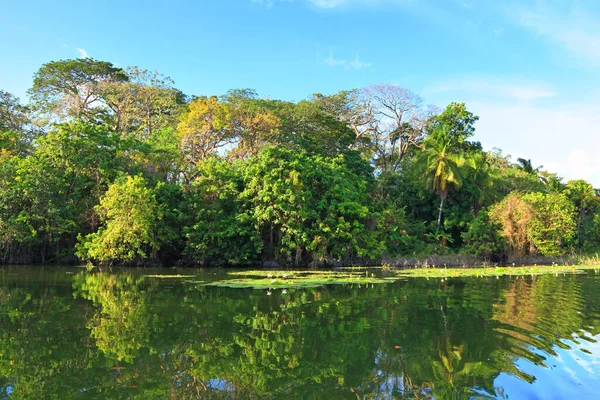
(82, 53)
(584, 164)
(355, 63)
(576, 29)
(564, 138)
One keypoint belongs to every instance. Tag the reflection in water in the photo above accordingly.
(106, 335)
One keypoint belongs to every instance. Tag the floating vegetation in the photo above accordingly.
(493, 271)
(297, 279)
(282, 273)
(165, 276)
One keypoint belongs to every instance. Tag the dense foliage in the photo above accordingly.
(116, 165)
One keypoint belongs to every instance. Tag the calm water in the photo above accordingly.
(68, 334)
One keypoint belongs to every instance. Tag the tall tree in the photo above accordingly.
(526, 165)
(253, 126)
(203, 131)
(480, 182)
(144, 103)
(441, 165)
(72, 88)
(393, 120)
(460, 124)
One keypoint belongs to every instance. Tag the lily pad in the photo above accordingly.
(295, 279)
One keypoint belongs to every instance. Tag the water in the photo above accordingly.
(68, 334)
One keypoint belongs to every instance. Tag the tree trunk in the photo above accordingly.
(440, 213)
(476, 208)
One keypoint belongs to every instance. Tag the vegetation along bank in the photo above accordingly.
(118, 166)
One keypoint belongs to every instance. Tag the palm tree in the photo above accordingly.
(480, 182)
(441, 164)
(527, 166)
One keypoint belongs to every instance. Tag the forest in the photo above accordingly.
(117, 166)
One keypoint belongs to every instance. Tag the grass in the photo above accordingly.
(589, 259)
(491, 271)
(296, 279)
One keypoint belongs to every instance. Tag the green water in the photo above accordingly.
(71, 334)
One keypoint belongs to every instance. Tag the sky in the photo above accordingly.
(529, 68)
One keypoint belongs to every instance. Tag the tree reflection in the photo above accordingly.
(123, 336)
(121, 325)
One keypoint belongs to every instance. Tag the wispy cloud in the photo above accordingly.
(355, 63)
(82, 53)
(270, 3)
(331, 4)
(493, 88)
(574, 26)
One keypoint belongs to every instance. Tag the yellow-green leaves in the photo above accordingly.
(128, 212)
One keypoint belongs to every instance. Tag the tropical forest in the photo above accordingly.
(113, 166)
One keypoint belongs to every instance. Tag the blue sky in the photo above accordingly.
(529, 68)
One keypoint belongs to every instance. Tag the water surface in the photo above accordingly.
(70, 334)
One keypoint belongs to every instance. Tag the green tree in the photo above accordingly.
(142, 104)
(459, 122)
(526, 165)
(316, 206)
(582, 194)
(441, 165)
(482, 238)
(73, 88)
(219, 230)
(128, 212)
(480, 181)
(16, 134)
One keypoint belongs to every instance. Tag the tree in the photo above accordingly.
(542, 222)
(480, 182)
(527, 166)
(253, 126)
(582, 194)
(554, 226)
(128, 214)
(73, 88)
(460, 124)
(347, 108)
(312, 126)
(219, 230)
(13, 115)
(441, 166)
(203, 130)
(142, 104)
(482, 238)
(15, 134)
(310, 206)
(393, 119)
